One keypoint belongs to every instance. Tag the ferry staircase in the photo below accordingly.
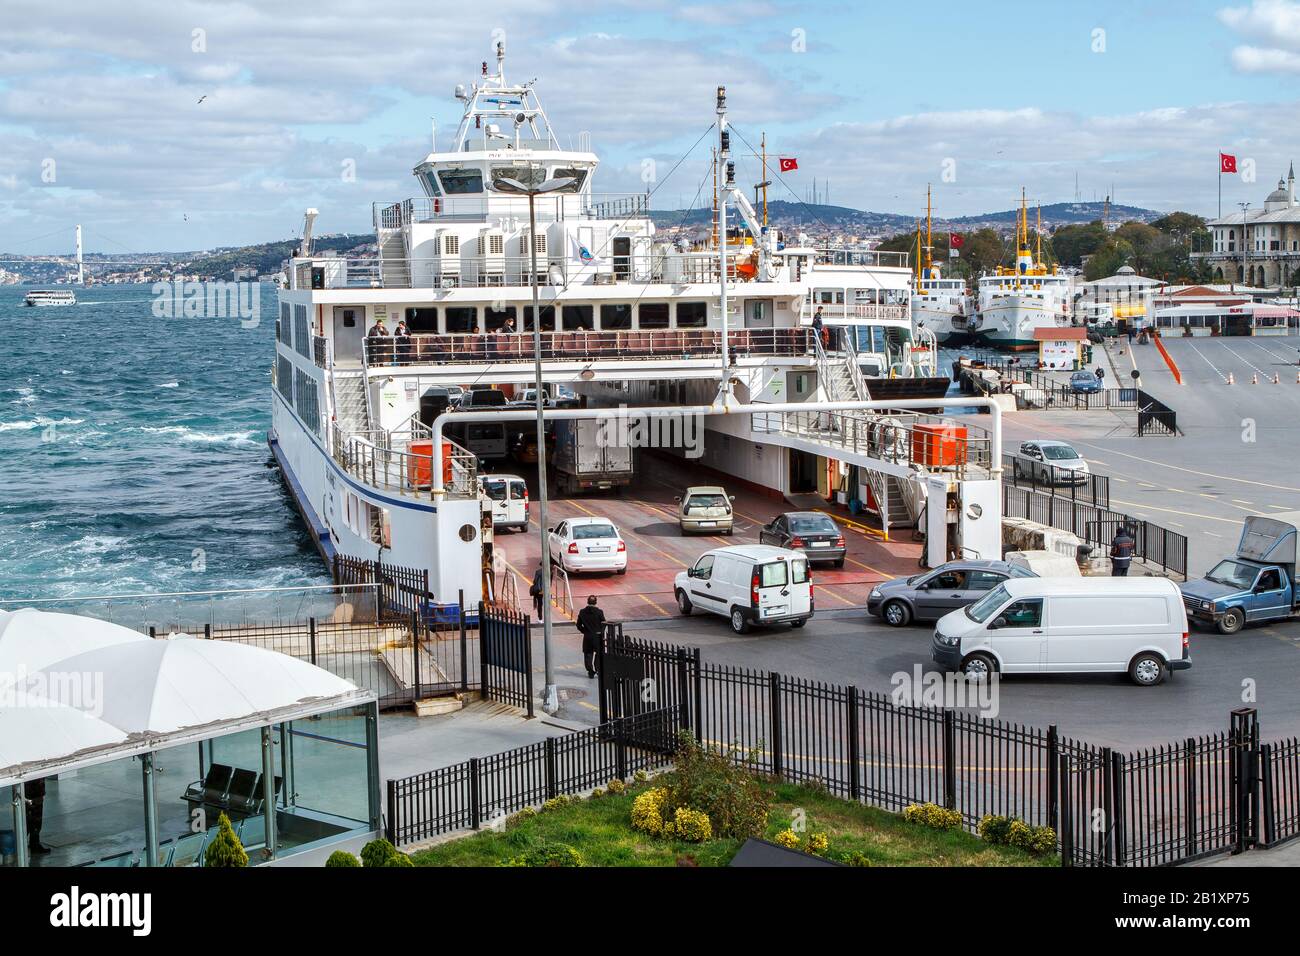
(394, 264)
(839, 374)
(893, 497)
(351, 407)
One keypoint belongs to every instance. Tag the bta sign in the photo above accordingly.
(1058, 354)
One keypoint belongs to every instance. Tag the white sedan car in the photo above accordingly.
(588, 544)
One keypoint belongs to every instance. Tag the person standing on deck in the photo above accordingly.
(535, 592)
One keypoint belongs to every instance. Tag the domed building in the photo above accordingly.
(1259, 247)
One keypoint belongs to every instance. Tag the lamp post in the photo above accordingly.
(1245, 250)
(513, 187)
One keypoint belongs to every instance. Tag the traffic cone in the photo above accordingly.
(1276, 380)
(1230, 378)
(1254, 379)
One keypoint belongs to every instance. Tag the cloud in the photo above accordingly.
(1274, 28)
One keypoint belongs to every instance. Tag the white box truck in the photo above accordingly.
(586, 460)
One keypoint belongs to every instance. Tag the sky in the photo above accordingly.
(186, 125)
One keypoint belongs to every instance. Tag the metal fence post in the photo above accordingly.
(528, 660)
(602, 705)
(474, 820)
(699, 695)
(855, 772)
(683, 685)
(1053, 777)
(620, 747)
(949, 759)
(1067, 813)
(1189, 802)
(548, 747)
(1245, 751)
(390, 825)
(1266, 792)
(1107, 792)
(484, 627)
(415, 653)
(464, 643)
(1118, 780)
(311, 640)
(774, 703)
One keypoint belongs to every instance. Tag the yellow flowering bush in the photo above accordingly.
(648, 811)
(932, 815)
(598, 792)
(693, 826)
(817, 844)
(616, 787)
(556, 802)
(788, 839)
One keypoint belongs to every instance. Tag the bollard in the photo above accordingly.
(1230, 378)
(1276, 380)
(1254, 379)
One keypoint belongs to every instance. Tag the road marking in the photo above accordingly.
(887, 577)
(589, 706)
(1192, 471)
(657, 607)
(1175, 511)
(835, 595)
(640, 538)
(1212, 534)
(1244, 359)
(1240, 502)
(1207, 362)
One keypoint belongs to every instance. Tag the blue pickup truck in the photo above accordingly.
(1258, 584)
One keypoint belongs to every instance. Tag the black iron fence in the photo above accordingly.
(1097, 526)
(485, 790)
(1022, 472)
(505, 656)
(1041, 390)
(1155, 417)
(1279, 790)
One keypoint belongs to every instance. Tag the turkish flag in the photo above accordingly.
(1227, 163)
(956, 240)
(788, 163)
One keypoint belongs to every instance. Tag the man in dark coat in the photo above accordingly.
(34, 791)
(535, 592)
(591, 622)
(1121, 552)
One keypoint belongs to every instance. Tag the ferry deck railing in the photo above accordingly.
(583, 346)
(424, 209)
(383, 460)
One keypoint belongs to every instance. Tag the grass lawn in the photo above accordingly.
(599, 829)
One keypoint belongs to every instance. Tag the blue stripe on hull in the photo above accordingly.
(320, 534)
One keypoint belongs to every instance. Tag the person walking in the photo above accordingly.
(818, 325)
(591, 622)
(34, 791)
(1121, 552)
(535, 591)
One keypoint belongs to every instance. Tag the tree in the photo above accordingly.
(225, 850)
(1072, 243)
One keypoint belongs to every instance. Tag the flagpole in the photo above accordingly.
(1220, 184)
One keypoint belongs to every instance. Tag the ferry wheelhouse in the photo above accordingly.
(626, 318)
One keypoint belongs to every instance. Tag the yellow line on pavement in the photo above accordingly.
(865, 529)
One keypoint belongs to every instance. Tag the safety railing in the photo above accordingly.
(424, 209)
(383, 460)
(582, 346)
(925, 441)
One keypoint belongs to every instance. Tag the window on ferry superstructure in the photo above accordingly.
(528, 175)
(570, 172)
(493, 319)
(652, 315)
(422, 319)
(548, 318)
(616, 317)
(461, 318)
(692, 315)
(460, 182)
(576, 318)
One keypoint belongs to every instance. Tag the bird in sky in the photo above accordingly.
(202, 98)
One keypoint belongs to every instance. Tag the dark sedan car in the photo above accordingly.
(815, 534)
(932, 594)
(1084, 382)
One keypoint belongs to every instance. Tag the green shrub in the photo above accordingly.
(225, 848)
(1012, 831)
(549, 854)
(597, 793)
(693, 826)
(517, 818)
(932, 815)
(788, 839)
(640, 776)
(616, 787)
(850, 858)
(648, 811)
(380, 853)
(556, 803)
(711, 781)
(342, 858)
(993, 829)
(817, 844)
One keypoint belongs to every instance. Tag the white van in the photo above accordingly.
(509, 495)
(1069, 626)
(748, 584)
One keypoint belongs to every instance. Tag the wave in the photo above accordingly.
(168, 385)
(39, 421)
(193, 436)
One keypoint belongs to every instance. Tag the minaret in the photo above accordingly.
(1290, 183)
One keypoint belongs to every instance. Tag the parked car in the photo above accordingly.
(509, 494)
(588, 544)
(705, 509)
(456, 393)
(931, 595)
(815, 534)
(1069, 626)
(1049, 462)
(748, 585)
(1084, 382)
(480, 398)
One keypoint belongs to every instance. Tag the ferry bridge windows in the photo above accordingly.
(652, 315)
(301, 335)
(548, 318)
(422, 319)
(569, 172)
(461, 319)
(284, 377)
(577, 318)
(461, 182)
(616, 317)
(528, 175)
(493, 319)
(307, 395)
(692, 315)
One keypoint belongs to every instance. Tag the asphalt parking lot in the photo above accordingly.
(645, 513)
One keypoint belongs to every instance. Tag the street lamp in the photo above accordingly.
(513, 187)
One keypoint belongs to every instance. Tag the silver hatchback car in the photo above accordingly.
(932, 594)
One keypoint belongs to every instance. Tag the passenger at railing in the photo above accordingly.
(508, 326)
(818, 325)
(404, 349)
(378, 347)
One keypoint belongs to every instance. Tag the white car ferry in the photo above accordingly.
(626, 319)
(1012, 303)
(939, 305)
(44, 297)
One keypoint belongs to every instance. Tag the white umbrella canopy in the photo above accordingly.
(78, 686)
